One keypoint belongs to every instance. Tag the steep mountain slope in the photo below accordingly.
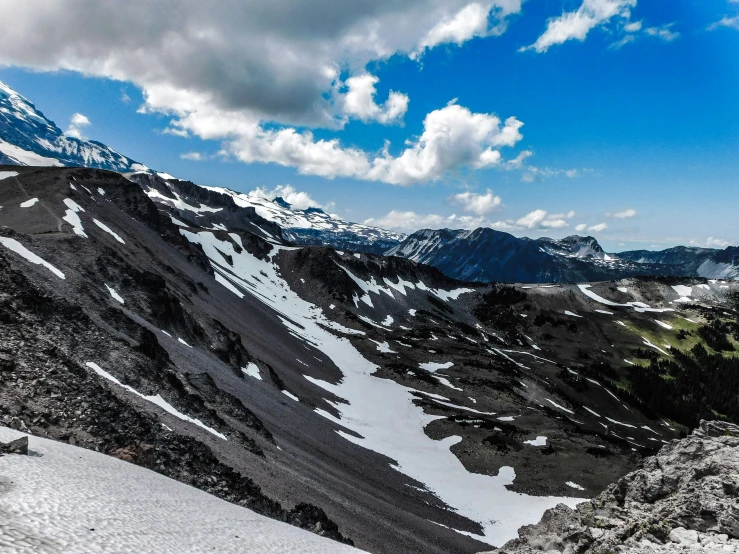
(29, 138)
(489, 255)
(354, 395)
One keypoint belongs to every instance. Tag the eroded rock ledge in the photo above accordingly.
(684, 499)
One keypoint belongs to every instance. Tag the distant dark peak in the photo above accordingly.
(443, 233)
(280, 201)
(577, 239)
(314, 211)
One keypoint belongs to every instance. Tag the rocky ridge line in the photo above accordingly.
(685, 499)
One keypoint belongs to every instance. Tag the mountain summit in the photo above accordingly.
(27, 137)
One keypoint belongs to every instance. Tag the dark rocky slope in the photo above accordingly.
(218, 317)
(684, 499)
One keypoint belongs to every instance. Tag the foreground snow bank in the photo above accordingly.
(64, 499)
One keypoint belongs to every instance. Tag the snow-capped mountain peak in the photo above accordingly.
(27, 137)
(576, 246)
(314, 226)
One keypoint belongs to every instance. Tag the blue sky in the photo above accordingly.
(630, 134)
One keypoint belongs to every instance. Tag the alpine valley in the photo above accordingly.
(385, 392)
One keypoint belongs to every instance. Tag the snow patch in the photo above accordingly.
(637, 306)
(108, 230)
(252, 371)
(574, 486)
(383, 347)
(433, 366)
(682, 290)
(290, 395)
(8, 174)
(114, 294)
(553, 403)
(64, 491)
(18, 248)
(29, 203)
(72, 218)
(158, 400)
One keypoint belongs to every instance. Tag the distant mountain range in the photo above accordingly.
(488, 255)
(313, 226)
(703, 262)
(27, 137)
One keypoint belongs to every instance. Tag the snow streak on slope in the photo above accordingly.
(18, 248)
(24, 157)
(381, 411)
(8, 174)
(637, 306)
(401, 285)
(157, 399)
(65, 499)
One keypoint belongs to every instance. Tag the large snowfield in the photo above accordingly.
(64, 499)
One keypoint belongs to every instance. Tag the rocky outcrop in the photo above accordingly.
(684, 499)
(18, 446)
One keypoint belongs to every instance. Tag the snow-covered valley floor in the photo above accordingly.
(64, 499)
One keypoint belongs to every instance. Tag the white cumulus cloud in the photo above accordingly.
(297, 199)
(478, 204)
(712, 242)
(473, 20)
(453, 138)
(624, 214)
(409, 221)
(541, 219)
(576, 25)
(663, 32)
(76, 123)
(726, 21)
(192, 156)
(279, 60)
(598, 228)
(359, 101)
(255, 75)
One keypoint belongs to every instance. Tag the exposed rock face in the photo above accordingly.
(18, 446)
(684, 499)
